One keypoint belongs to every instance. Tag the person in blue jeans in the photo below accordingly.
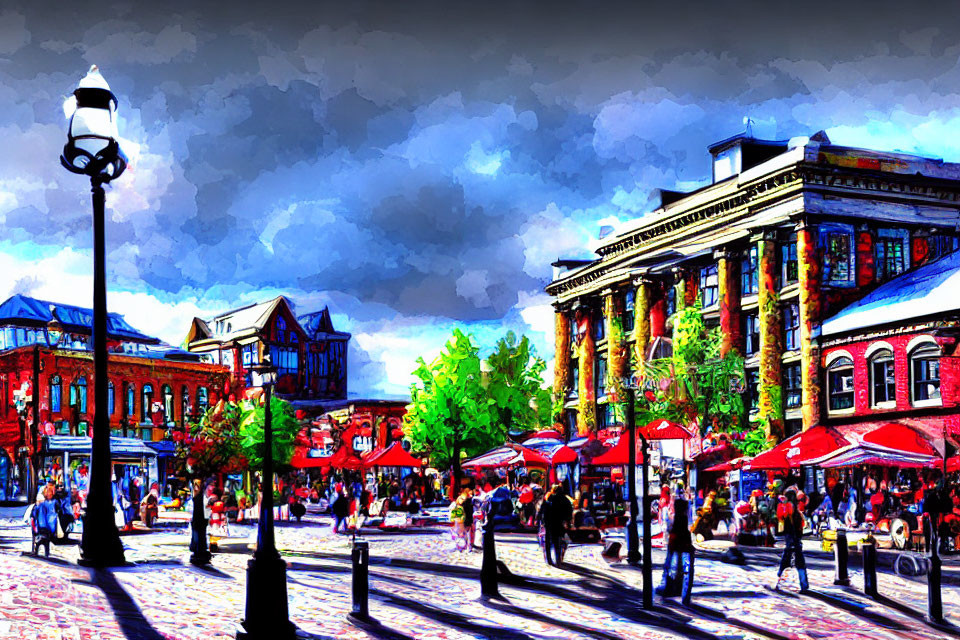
(677, 577)
(789, 514)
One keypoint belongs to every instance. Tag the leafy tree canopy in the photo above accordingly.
(284, 426)
(458, 411)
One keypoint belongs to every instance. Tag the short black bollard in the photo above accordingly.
(840, 552)
(361, 586)
(934, 595)
(488, 567)
(869, 550)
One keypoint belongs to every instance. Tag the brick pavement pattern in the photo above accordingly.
(422, 588)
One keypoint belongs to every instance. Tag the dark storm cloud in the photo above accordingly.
(431, 159)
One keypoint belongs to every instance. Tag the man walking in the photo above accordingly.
(789, 515)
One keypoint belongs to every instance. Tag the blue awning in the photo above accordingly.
(82, 444)
(164, 448)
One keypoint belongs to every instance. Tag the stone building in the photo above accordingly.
(787, 234)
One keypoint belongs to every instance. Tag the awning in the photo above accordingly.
(729, 465)
(393, 456)
(547, 433)
(344, 460)
(664, 430)
(899, 438)
(82, 444)
(812, 444)
(618, 455)
(494, 459)
(862, 456)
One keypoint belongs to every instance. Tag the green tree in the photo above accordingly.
(516, 378)
(284, 426)
(458, 411)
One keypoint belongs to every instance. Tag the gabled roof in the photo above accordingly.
(21, 309)
(927, 291)
(319, 326)
(240, 322)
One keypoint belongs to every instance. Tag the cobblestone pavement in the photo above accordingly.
(422, 588)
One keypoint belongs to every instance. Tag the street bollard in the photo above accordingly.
(840, 552)
(361, 586)
(869, 550)
(934, 596)
(488, 566)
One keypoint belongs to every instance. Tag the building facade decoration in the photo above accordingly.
(561, 368)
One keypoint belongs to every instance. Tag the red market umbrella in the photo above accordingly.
(618, 455)
(344, 460)
(664, 430)
(556, 452)
(899, 438)
(494, 459)
(393, 456)
(953, 464)
(530, 457)
(803, 448)
(856, 457)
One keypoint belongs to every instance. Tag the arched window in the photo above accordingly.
(129, 399)
(168, 414)
(111, 398)
(146, 399)
(184, 404)
(840, 384)
(78, 394)
(56, 393)
(925, 374)
(281, 329)
(201, 399)
(883, 383)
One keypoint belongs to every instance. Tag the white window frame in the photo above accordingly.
(873, 355)
(915, 345)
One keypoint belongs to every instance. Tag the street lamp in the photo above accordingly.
(267, 614)
(92, 150)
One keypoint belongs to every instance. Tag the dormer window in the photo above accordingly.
(727, 163)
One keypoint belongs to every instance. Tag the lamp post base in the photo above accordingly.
(100, 544)
(267, 615)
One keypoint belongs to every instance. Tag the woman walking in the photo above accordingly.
(789, 515)
(678, 567)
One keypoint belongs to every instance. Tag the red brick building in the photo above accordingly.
(47, 385)
(893, 355)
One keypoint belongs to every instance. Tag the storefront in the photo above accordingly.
(64, 459)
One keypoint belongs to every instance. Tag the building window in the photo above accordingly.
(925, 374)
(749, 278)
(629, 308)
(753, 389)
(56, 392)
(792, 386)
(168, 414)
(709, 285)
(284, 359)
(837, 265)
(202, 399)
(599, 324)
(789, 271)
(249, 355)
(129, 400)
(791, 327)
(184, 404)
(146, 435)
(890, 256)
(574, 378)
(146, 399)
(883, 383)
(111, 398)
(281, 329)
(751, 334)
(792, 427)
(600, 379)
(670, 296)
(605, 416)
(939, 246)
(840, 384)
(78, 394)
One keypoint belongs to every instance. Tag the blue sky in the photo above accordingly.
(417, 166)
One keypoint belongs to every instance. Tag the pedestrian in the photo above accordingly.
(789, 516)
(556, 516)
(340, 508)
(677, 576)
(665, 513)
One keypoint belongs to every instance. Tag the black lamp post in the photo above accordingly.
(267, 614)
(92, 150)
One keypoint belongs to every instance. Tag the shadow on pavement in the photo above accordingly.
(377, 628)
(857, 609)
(132, 622)
(906, 610)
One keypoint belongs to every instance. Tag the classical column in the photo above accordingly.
(728, 275)
(561, 366)
(586, 348)
(691, 288)
(642, 317)
(658, 309)
(617, 353)
(809, 275)
(771, 393)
